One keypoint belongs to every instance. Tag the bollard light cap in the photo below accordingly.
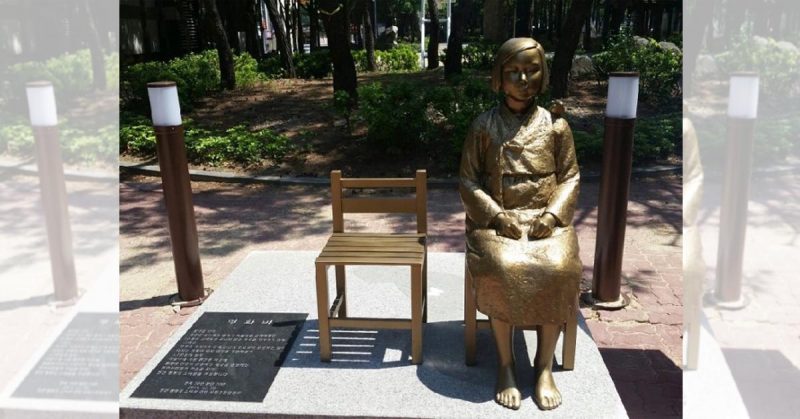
(41, 104)
(743, 95)
(623, 95)
(165, 108)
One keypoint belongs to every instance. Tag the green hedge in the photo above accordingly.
(70, 73)
(777, 67)
(403, 57)
(660, 70)
(196, 75)
(654, 138)
(79, 145)
(206, 146)
(317, 64)
(402, 115)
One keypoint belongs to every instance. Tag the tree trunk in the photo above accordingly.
(617, 17)
(494, 19)
(313, 21)
(640, 20)
(227, 75)
(568, 43)
(452, 61)
(335, 21)
(298, 29)
(656, 21)
(280, 37)
(369, 35)
(587, 30)
(523, 23)
(147, 43)
(433, 41)
(252, 15)
(95, 49)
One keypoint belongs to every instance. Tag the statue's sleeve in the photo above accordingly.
(565, 197)
(479, 205)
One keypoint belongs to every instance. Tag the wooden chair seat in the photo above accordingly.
(344, 248)
(373, 249)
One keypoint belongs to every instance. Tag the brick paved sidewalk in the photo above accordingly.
(640, 344)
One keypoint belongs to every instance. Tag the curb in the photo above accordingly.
(31, 169)
(212, 176)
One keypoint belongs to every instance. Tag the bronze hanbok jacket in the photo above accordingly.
(524, 166)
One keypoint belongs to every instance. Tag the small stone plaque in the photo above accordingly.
(81, 364)
(224, 357)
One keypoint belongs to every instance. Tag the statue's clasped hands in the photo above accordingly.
(540, 228)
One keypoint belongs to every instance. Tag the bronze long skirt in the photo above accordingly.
(525, 282)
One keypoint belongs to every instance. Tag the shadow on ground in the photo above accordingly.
(636, 373)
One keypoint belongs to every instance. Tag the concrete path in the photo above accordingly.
(641, 345)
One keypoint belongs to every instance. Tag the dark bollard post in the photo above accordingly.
(742, 111)
(172, 161)
(44, 120)
(623, 92)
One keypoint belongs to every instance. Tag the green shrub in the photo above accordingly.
(657, 137)
(480, 55)
(654, 138)
(112, 71)
(136, 136)
(398, 59)
(206, 146)
(246, 69)
(16, 139)
(588, 145)
(196, 75)
(777, 68)
(78, 145)
(270, 66)
(314, 65)
(70, 73)
(659, 69)
(394, 113)
(775, 137)
(404, 115)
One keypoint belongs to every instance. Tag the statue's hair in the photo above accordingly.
(511, 48)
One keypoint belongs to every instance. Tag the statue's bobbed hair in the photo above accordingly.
(511, 48)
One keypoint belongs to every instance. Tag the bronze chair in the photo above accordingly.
(344, 249)
(472, 324)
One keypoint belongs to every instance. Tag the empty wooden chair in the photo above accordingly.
(361, 248)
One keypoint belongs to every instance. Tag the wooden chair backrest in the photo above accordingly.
(417, 205)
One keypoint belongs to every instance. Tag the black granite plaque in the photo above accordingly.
(224, 356)
(81, 364)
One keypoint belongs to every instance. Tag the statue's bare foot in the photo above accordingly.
(506, 390)
(546, 394)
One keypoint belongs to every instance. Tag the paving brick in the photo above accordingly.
(624, 315)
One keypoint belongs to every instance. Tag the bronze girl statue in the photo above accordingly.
(519, 185)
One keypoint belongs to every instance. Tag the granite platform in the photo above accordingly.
(371, 374)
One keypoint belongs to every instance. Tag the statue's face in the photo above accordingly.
(522, 75)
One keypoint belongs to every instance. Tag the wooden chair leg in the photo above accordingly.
(470, 320)
(322, 311)
(570, 340)
(425, 288)
(416, 314)
(341, 290)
